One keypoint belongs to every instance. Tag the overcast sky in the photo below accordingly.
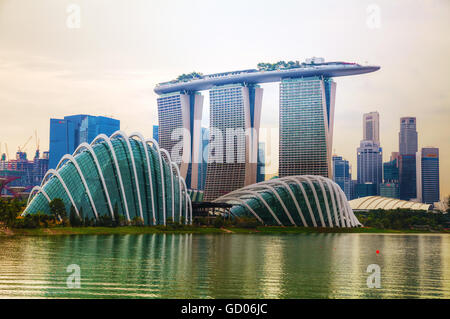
(111, 63)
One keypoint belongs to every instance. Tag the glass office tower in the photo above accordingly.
(306, 126)
(407, 160)
(235, 113)
(428, 191)
(342, 175)
(178, 114)
(370, 163)
(66, 134)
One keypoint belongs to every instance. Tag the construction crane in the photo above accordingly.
(7, 153)
(37, 140)
(21, 149)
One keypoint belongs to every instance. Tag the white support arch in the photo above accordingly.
(242, 202)
(190, 207)
(177, 170)
(139, 135)
(305, 196)
(274, 191)
(186, 196)
(333, 194)
(52, 172)
(313, 189)
(248, 191)
(327, 206)
(37, 190)
(72, 160)
(100, 173)
(169, 160)
(116, 164)
(163, 178)
(133, 163)
(288, 188)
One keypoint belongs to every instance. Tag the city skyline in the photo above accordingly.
(66, 77)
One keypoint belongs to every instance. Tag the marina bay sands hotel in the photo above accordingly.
(306, 115)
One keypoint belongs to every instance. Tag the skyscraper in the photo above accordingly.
(235, 113)
(428, 191)
(408, 136)
(66, 134)
(155, 133)
(371, 127)
(407, 158)
(306, 126)
(260, 174)
(370, 163)
(342, 175)
(390, 187)
(179, 115)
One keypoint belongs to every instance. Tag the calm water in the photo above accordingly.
(226, 266)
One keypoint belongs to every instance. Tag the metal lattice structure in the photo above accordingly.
(130, 174)
(306, 200)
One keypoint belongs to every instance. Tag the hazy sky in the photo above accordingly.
(111, 63)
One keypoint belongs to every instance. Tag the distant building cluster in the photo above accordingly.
(410, 174)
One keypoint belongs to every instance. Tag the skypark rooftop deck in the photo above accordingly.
(254, 76)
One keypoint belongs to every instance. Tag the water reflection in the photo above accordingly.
(226, 266)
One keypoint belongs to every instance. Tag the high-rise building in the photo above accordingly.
(235, 112)
(370, 163)
(342, 175)
(66, 134)
(428, 191)
(155, 133)
(307, 95)
(408, 136)
(390, 187)
(407, 177)
(371, 127)
(260, 174)
(407, 158)
(306, 126)
(203, 166)
(179, 130)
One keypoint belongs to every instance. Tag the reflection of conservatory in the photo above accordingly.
(294, 200)
(130, 176)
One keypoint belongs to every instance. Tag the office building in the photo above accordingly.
(370, 163)
(371, 127)
(260, 174)
(179, 130)
(306, 126)
(342, 175)
(66, 134)
(408, 136)
(235, 112)
(427, 176)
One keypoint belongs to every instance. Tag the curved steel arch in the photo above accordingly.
(311, 184)
(305, 196)
(179, 184)
(116, 163)
(133, 163)
(37, 189)
(288, 188)
(248, 191)
(322, 188)
(72, 160)
(274, 191)
(100, 173)
(163, 178)
(169, 160)
(331, 189)
(54, 172)
(242, 202)
(186, 195)
(139, 135)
